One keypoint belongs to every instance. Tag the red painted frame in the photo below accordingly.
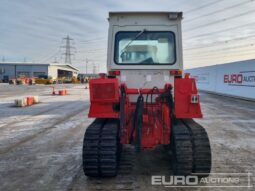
(157, 122)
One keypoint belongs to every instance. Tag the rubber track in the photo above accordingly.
(101, 148)
(201, 148)
(90, 148)
(109, 149)
(182, 160)
(125, 179)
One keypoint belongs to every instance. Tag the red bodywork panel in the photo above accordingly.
(185, 89)
(104, 93)
(157, 122)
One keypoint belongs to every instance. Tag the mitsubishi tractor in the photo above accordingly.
(145, 99)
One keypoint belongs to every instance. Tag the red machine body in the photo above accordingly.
(145, 100)
(104, 93)
(157, 116)
(187, 100)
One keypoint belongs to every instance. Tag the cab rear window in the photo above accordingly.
(145, 47)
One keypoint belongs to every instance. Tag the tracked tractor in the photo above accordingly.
(145, 99)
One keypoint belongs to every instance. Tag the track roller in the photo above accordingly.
(181, 145)
(101, 148)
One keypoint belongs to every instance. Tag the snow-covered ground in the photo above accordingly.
(41, 145)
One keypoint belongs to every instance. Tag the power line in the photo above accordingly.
(92, 59)
(203, 6)
(92, 40)
(92, 50)
(221, 31)
(225, 53)
(220, 42)
(224, 56)
(218, 11)
(218, 61)
(51, 56)
(221, 20)
(222, 49)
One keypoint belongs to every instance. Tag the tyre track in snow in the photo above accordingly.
(44, 130)
(56, 158)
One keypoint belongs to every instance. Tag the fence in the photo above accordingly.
(233, 79)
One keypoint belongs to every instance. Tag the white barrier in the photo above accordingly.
(234, 79)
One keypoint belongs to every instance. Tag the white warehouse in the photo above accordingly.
(10, 70)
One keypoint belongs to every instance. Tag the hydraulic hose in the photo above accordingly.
(122, 108)
(171, 103)
(168, 96)
(138, 122)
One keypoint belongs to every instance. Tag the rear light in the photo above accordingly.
(114, 73)
(187, 75)
(175, 72)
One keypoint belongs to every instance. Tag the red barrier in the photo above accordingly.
(30, 100)
(61, 92)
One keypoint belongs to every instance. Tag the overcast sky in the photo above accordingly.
(214, 31)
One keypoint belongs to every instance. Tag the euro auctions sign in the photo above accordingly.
(215, 180)
(234, 79)
(243, 78)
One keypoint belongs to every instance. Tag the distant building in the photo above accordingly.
(9, 70)
(83, 75)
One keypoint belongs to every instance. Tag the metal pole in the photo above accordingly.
(86, 66)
